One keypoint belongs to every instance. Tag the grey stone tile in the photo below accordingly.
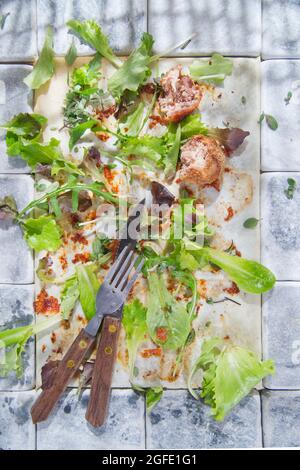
(280, 226)
(15, 97)
(15, 257)
(281, 334)
(180, 422)
(16, 309)
(280, 148)
(281, 419)
(18, 36)
(232, 27)
(68, 429)
(16, 429)
(124, 21)
(281, 20)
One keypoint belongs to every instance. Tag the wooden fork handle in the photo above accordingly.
(103, 371)
(76, 355)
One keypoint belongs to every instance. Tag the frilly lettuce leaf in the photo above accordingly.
(229, 374)
(215, 70)
(89, 32)
(134, 71)
(42, 233)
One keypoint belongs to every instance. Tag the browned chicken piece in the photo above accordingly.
(202, 162)
(180, 95)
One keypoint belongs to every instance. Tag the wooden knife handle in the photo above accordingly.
(76, 355)
(103, 371)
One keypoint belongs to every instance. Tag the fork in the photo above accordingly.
(110, 297)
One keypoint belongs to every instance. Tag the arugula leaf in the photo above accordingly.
(89, 32)
(134, 322)
(171, 158)
(44, 68)
(214, 71)
(42, 233)
(134, 71)
(13, 342)
(78, 131)
(249, 275)
(71, 185)
(229, 374)
(71, 54)
(69, 295)
(88, 286)
(167, 320)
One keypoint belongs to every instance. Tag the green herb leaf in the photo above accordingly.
(251, 222)
(288, 97)
(89, 32)
(3, 19)
(71, 54)
(292, 186)
(88, 285)
(271, 121)
(134, 71)
(134, 322)
(44, 68)
(229, 374)
(261, 118)
(243, 100)
(69, 295)
(213, 71)
(42, 233)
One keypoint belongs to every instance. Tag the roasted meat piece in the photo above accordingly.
(180, 95)
(202, 161)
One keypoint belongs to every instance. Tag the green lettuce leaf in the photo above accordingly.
(44, 68)
(229, 374)
(23, 126)
(134, 121)
(171, 158)
(153, 396)
(134, 71)
(134, 322)
(78, 131)
(88, 286)
(192, 125)
(13, 342)
(146, 146)
(213, 71)
(42, 233)
(249, 275)
(89, 32)
(167, 320)
(71, 54)
(69, 295)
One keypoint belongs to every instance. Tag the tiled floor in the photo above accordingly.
(269, 28)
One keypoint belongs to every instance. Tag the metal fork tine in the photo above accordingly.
(132, 280)
(124, 273)
(117, 264)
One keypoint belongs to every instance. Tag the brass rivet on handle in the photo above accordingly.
(112, 328)
(70, 364)
(108, 350)
(83, 344)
